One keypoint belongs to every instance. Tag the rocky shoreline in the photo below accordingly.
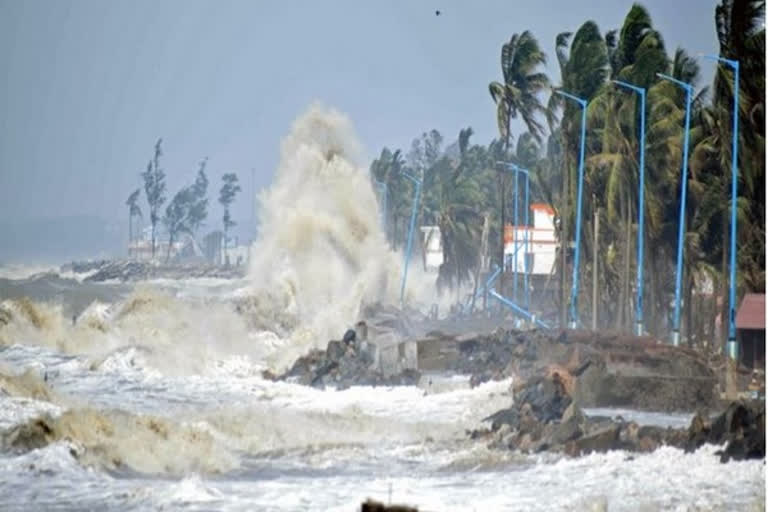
(351, 361)
(556, 374)
(132, 270)
(545, 417)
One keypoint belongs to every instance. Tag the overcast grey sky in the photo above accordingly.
(87, 86)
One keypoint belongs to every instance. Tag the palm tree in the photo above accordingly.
(741, 35)
(636, 56)
(583, 68)
(460, 222)
(133, 211)
(387, 169)
(518, 95)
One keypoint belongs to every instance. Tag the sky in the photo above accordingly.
(88, 86)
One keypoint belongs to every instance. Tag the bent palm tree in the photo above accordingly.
(518, 95)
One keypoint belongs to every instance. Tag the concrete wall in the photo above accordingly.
(392, 355)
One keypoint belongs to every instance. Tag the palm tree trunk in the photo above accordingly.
(690, 327)
(130, 233)
(564, 242)
(168, 250)
(502, 186)
(624, 286)
(724, 310)
(711, 314)
(480, 254)
(225, 247)
(650, 323)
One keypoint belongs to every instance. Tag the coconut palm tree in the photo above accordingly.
(133, 211)
(636, 56)
(458, 217)
(741, 35)
(518, 95)
(388, 169)
(583, 69)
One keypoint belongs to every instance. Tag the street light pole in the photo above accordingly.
(527, 236)
(683, 190)
(416, 195)
(515, 232)
(526, 205)
(575, 284)
(733, 346)
(641, 208)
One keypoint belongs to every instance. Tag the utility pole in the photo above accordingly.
(594, 263)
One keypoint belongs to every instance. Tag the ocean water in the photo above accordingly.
(225, 439)
(154, 399)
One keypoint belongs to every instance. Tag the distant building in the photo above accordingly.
(212, 245)
(750, 330)
(433, 247)
(185, 248)
(215, 253)
(538, 255)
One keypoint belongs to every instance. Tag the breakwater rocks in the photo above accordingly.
(351, 361)
(604, 369)
(545, 417)
(130, 270)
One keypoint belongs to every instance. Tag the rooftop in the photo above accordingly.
(751, 312)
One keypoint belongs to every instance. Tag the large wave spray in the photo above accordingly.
(322, 253)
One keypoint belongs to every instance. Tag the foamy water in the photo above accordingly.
(228, 440)
(156, 401)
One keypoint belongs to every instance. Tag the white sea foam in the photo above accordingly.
(168, 382)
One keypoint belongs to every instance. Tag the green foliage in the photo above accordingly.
(154, 189)
(518, 94)
(188, 208)
(133, 208)
(461, 184)
(227, 194)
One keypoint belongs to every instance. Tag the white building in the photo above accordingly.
(539, 255)
(433, 247)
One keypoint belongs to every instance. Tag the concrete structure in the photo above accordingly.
(392, 355)
(542, 243)
(141, 247)
(750, 330)
(433, 247)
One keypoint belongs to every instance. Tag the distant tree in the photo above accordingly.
(176, 219)
(133, 211)
(154, 188)
(199, 209)
(188, 209)
(226, 197)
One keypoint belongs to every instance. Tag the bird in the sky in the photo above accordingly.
(437, 13)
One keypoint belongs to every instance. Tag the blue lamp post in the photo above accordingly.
(527, 270)
(641, 208)
(416, 196)
(517, 169)
(574, 314)
(514, 234)
(526, 206)
(683, 189)
(733, 346)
